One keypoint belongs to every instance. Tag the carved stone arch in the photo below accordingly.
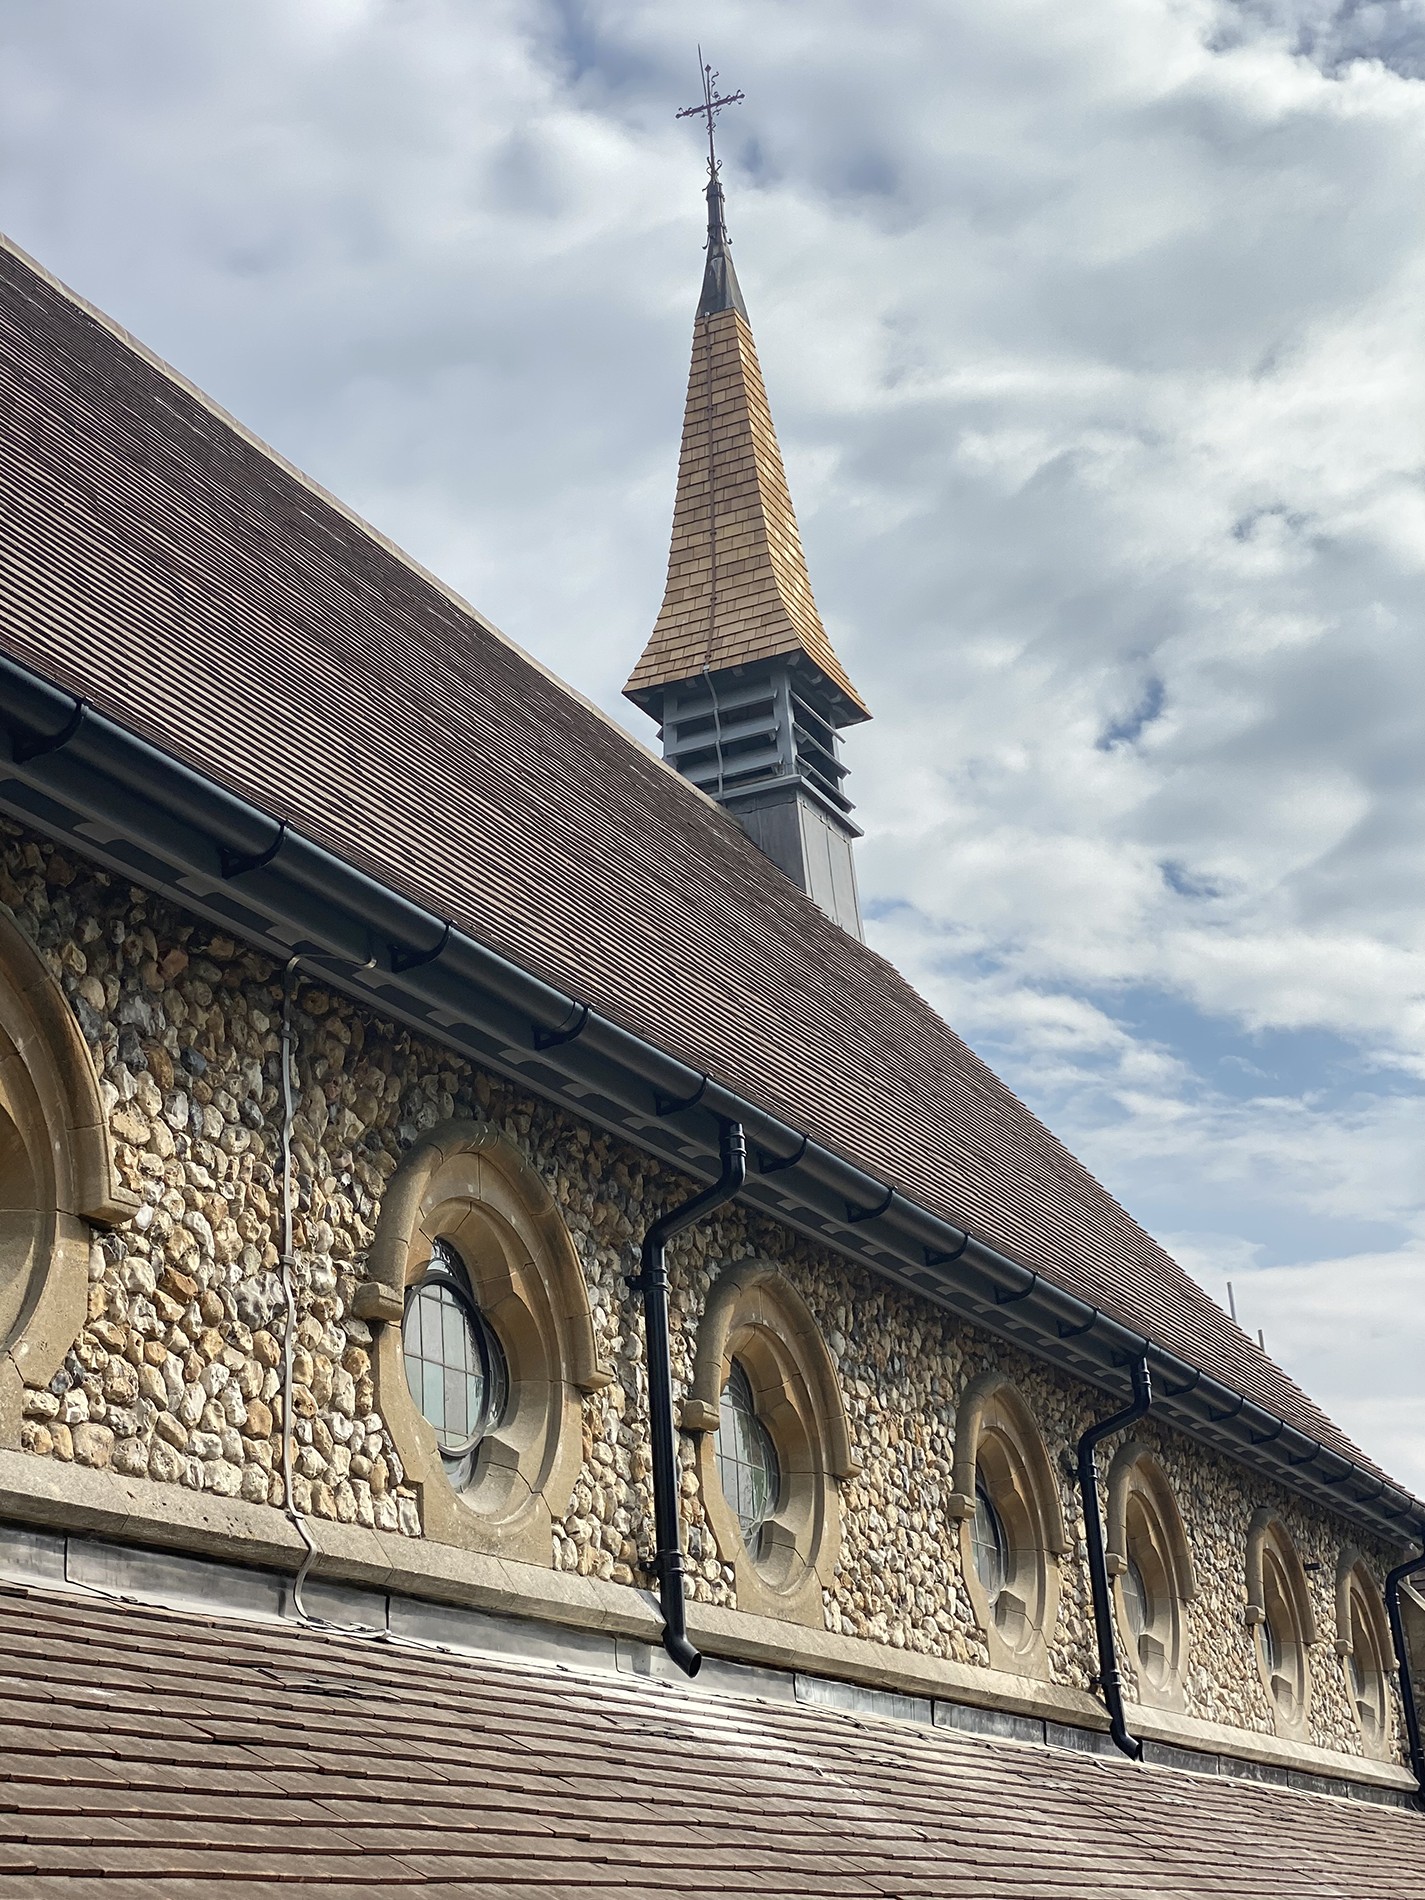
(999, 1451)
(57, 1176)
(1367, 1655)
(1282, 1622)
(756, 1317)
(466, 1186)
(1145, 1530)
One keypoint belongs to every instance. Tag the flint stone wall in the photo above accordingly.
(177, 1374)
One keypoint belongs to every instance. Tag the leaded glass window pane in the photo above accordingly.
(1136, 1600)
(990, 1545)
(454, 1366)
(746, 1457)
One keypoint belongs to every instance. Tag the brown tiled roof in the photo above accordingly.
(738, 588)
(156, 560)
(147, 1755)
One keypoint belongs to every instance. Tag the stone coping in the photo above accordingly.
(521, 1600)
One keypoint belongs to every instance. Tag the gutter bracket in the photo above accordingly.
(855, 1214)
(777, 1164)
(23, 750)
(675, 1104)
(403, 960)
(553, 1038)
(1009, 1299)
(237, 863)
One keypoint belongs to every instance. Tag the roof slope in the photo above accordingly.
(156, 560)
(147, 1753)
(738, 588)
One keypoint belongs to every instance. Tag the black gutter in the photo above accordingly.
(652, 1283)
(91, 780)
(1110, 1679)
(1402, 1662)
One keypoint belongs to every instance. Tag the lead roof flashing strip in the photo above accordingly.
(104, 785)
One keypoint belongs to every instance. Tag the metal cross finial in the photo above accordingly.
(712, 104)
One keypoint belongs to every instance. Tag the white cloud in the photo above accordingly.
(1092, 335)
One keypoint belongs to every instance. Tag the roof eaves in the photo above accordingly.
(124, 802)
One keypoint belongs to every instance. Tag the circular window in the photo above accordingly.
(990, 1545)
(455, 1367)
(746, 1457)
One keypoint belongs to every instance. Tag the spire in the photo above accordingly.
(738, 670)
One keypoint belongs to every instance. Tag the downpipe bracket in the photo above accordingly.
(1110, 1677)
(666, 1563)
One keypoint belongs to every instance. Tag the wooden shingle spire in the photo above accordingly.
(738, 590)
(739, 672)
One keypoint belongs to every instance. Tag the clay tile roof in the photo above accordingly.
(738, 589)
(151, 1755)
(157, 560)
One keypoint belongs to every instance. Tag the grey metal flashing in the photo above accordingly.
(143, 814)
(203, 1586)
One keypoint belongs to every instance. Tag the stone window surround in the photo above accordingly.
(755, 1315)
(56, 1172)
(1360, 1603)
(1143, 1522)
(1275, 1579)
(465, 1184)
(998, 1444)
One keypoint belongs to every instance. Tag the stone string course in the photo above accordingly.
(177, 1374)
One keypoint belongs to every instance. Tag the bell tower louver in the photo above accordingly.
(738, 672)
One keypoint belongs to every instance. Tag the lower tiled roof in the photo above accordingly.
(147, 1752)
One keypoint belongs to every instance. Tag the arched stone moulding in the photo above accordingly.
(1363, 1640)
(1277, 1596)
(998, 1444)
(757, 1317)
(464, 1184)
(57, 1176)
(1144, 1523)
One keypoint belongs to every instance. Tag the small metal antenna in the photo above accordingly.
(712, 104)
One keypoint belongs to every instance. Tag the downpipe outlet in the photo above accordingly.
(652, 1283)
(1109, 1675)
(1402, 1662)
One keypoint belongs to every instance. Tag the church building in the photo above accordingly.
(532, 1362)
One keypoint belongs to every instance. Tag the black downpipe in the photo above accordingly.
(1402, 1662)
(1109, 1677)
(667, 1564)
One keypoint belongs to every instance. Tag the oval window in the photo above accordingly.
(1366, 1665)
(746, 1457)
(455, 1367)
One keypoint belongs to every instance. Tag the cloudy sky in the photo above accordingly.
(1094, 339)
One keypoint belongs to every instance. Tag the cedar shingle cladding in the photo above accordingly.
(148, 1755)
(738, 588)
(159, 562)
